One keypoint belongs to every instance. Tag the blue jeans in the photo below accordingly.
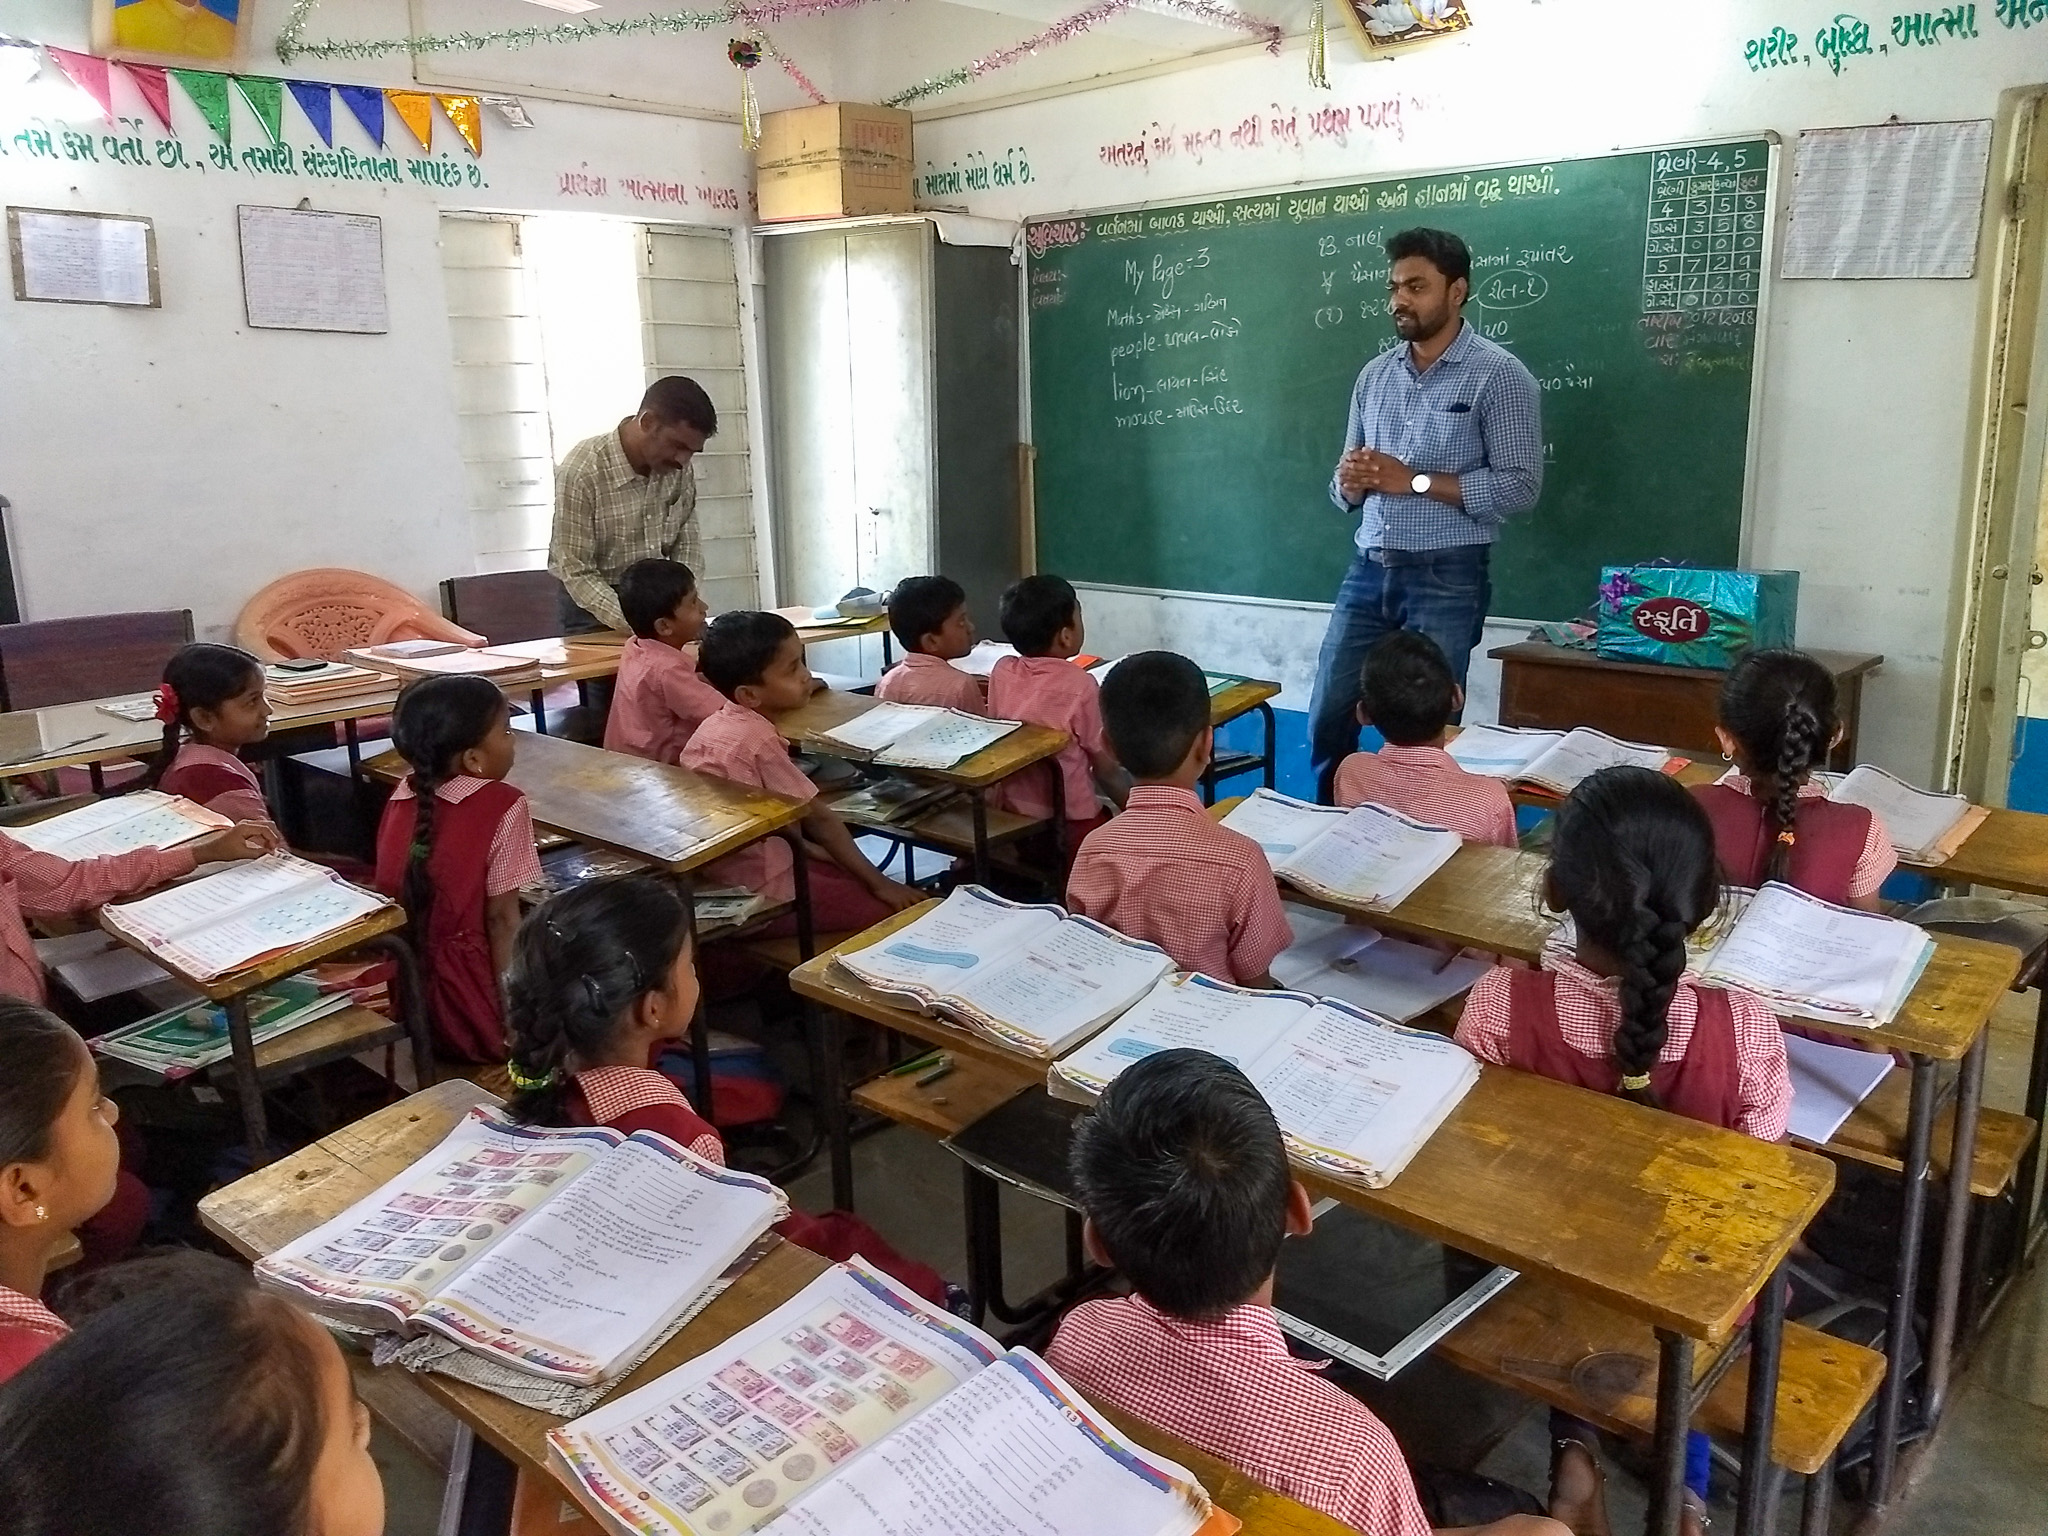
(1442, 592)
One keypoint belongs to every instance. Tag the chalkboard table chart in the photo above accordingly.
(1192, 365)
(1551, 688)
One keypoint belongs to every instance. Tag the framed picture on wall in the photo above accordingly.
(206, 32)
(1384, 24)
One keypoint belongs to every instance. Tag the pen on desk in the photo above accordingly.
(62, 746)
(935, 1074)
(916, 1064)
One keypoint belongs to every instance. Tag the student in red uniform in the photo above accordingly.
(1409, 695)
(1632, 861)
(1771, 821)
(1040, 685)
(456, 846)
(659, 700)
(212, 705)
(1163, 871)
(59, 1168)
(928, 615)
(602, 979)
(1183, 1180)
(199, 1406)
(757, 662)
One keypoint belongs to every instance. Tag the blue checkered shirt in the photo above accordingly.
(1475, 414)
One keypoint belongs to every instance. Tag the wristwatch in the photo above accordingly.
(1420, 485)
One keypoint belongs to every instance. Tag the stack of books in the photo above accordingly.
(297, 684)
(409, 659)
(183, 1040)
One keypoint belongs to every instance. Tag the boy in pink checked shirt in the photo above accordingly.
(1184, 1182)
(659, 700)
(1040, 685)
(757, 662)
(1163, 871)
(928, 615)
(1407, 693)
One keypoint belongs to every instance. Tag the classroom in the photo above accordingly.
(980, 766)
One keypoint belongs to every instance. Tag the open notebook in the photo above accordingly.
(1828, 1082)
(563, 1253)
(1394, 978)
(1923, 826)
(1028, 977)
(245, 913)
(912, 736)
(148, 818)
(1368, 856)
(1552, 760)
(1813, 960)
(854, 1409)
(1356, 1096)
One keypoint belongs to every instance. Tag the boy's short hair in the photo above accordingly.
(920, 604)
(1154, 705)
(1407, 688)
(737, 648)
(649, 591)
(1035, 609)
(1182, 1171)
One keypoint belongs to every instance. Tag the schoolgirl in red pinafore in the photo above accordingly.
(212, 705)
(1839, 853)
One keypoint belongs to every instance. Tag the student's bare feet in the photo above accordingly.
(1578, 1488)
(1692, 1515)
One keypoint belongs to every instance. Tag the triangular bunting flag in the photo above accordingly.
(209, 93)
(266, 99)
(416, 110)
(367, 103)
(155, 87)
(467, 114)
(89, 75)
(317, 102)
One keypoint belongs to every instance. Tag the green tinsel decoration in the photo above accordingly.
(290, 44)
(951, 80)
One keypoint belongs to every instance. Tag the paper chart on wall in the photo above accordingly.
(309, 271)
(82, 258)
(1891, 200)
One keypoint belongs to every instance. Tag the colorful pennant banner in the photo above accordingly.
(89, 75)
(155, 87)
(266, 100)
(317, 102)
(367, 103)
(209, 93)
(415, 109)
(467, 114)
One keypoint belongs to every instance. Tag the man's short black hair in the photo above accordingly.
(1154, 705)
(1035, 609)
(1439, 247)
(649, 591)
(1183, 1172)
(920, 604)
(1407, 688)
(737, 648)
(675, 399)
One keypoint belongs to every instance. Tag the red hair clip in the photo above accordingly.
(166, 703)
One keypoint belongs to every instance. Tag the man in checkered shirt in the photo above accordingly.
(1444, 444)
(1184, 1181)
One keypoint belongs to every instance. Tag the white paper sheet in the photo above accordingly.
(1392, 977)
(1828, 1082)
(83, 258)
(305, 270)
(1890, 200)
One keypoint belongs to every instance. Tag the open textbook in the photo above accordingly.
(1813, 960)
(223, 922)
(1029, 977)
(1552, 760)
(561, 1252)
(181, 1040)
(912, 736)
(1356, 1096)
(148, 818)
(1924, 826)
(854, 1409)
(1368, 856)
(1397, 979)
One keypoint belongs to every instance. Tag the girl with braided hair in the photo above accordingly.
(1771, 821)
(602, 978)
(212, 705)
(455, 846)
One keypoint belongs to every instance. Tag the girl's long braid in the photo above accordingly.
(1780, 707)
(1801, 740)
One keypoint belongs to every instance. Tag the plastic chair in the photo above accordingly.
(327, 611)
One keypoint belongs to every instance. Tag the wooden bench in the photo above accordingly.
(1532, 1336)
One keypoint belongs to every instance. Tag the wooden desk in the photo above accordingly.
(266, 1210)
(1553, 688)
(1241, 698)
(1664, 1219)
(978, 774)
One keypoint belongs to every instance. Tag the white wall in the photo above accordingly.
(174, 457)
(1865, 417)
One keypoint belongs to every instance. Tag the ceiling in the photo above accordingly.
(858, 52)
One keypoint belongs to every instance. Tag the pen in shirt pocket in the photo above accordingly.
(1457, 408)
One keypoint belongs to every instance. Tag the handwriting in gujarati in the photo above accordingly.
(1776, 47)
(1842, 39)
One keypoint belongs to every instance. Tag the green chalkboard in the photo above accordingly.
(1191, 369)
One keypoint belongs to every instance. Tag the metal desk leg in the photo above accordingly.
(1818, 1505)
(700, 1031)
(98, 776)
(414, 1011)
(1272, 743)
(1059, 831)
(800, 869)
(827, 1030)
(1955, 1227)
(984, 1240)
(353, 740)
(1756, 1501)
(1891, 1398)
(980, 800)
(243, 1046)
(2027, 1212)
(1674, 1419)
(538, 699)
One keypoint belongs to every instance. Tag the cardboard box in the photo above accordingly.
(839, 161)
(1693, 618)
